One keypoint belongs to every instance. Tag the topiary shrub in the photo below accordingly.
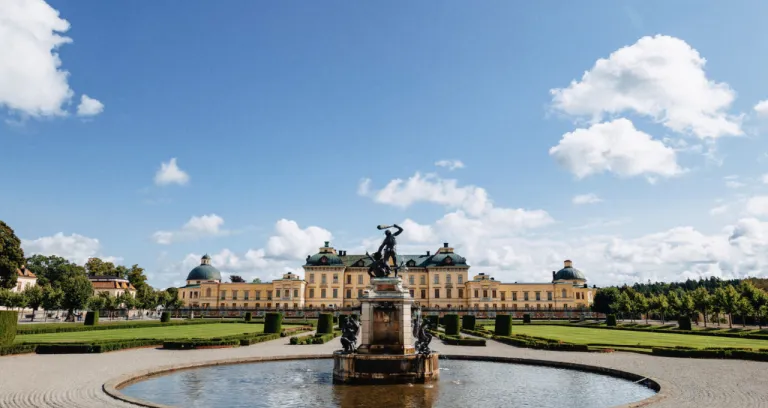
(468, 322)
(503, 325)
(610, 320)
(165, 317)
(451, 324)
(325, 323)
(248, 316)
(527, 318)
(342, 320)
(273, 323)
(92, 318)
(335, 319)
(684, 322)
(8, 322)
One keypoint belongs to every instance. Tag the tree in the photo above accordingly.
(17, 300)
(702, 302)
(96, 303)
(623, 305)
(5, 294)
(660, 304)
(604, 298)
(726, 300)
(97, 267)
(755, 296)
(762, 313)
(11, 256)
(52, 298)
(51, 270)
(256, 280)
(642, 305)
(34, 296)
(136, 276)
(744, 309)
(686, 305)
(673, 302)
(236, 279)
(77, 290)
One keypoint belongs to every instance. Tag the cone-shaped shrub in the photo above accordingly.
(342, 320)
(165, 317)
(527, 318)
(451, 324)
(610, 320)
(8, 321)
(468, 322)
(503, 325)
(325, 323)
(273, 323)
(248, 316)
(92, 318)
(684, 322)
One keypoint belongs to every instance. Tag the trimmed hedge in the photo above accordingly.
(451, 324)
(325, 323)
(527, 318)
(292, 330)
(273, 323)
(540, 343)
(610, 320)
(684, 322)
(468, 322)
(91, 318)
(478, 333)
(165, 317)
(8, 323)
(722, 353)
(248, 316)
(98, 347)
(503, 325)
(260, 339)
(66, 327)
(343, 320)
(17, 349)
(192, 344)
(314, 338)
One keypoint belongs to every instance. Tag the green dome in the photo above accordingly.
(330, 259)
(441, 259)
(204, 272)
(569, 273)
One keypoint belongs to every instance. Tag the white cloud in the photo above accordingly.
(718, 210)
(32, 82)
(76, 248)
(450, 164)
(761, 108)
(660, 77)
(615, 147)
(764, 178)
(758, 206)
(734, 184)
(586, 199)
(364, 187)
(292, 242)
(195, 228)
(89, 106)
(170, 173)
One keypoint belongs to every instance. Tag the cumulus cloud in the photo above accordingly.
(89, 106)
(586, 199)
(32, 82)
(761, 108)
(170, 173)
(659, 77)
(364, 187)
(292, 242)
(615, 147)
(76, 248)
(758, 206)
(450, 164)
(197, 227)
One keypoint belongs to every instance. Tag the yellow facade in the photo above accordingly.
(334, 279)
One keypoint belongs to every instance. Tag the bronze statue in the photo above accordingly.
(377, 268)
(388, 247)
(421, 333)
(349, 334)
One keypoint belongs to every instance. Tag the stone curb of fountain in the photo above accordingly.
(112, 387)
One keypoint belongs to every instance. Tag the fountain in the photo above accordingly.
(394, 348)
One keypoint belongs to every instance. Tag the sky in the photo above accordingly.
(627, 136)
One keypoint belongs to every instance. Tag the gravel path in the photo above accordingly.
(75, 380)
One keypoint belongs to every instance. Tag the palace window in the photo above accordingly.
(485, 293)
(295, 293)
(223, 294)
(208, 292)
(514, 296)
(565, 294)
(360, 279)
(311, 293)
(311, 278)
(423, 293)
(335, 293)
(550, 306)
(349, 279)
(258, 295)
(494, 306)
(437, 279)
(527, 307)
(476, 294)
(538, 306)
(183, 295)
(437, 293)
(286, 293)
(359, 293)
(423, 280)
(411, 280)
(461, 293)
(322, 293)
(246, 294)
(411, 292)
(549, 295)
(503, 296)
(349, 294)
(234, 295)
(460, 279)
(514, 306)
(538, 296)
(335, 278)
(448, 293)
(493, 294)
(448, 278)
(269, 295)
(234, 305)
(323, 281)
(245, 305)
(525, 296)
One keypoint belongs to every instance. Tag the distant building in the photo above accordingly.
(24, 279)
(335, 279)
(113, 285)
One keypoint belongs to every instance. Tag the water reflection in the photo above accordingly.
(309, 383)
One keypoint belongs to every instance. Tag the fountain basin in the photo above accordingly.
(356, 368)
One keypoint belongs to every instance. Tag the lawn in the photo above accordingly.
(581, 335)
(161, 333)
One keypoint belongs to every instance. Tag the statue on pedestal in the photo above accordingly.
(378, 268)
(349, 334)
(388, 247)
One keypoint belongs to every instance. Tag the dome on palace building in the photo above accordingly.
(569, 273)
(326, 257)
(205, 271)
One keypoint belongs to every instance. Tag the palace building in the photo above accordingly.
(439, 280)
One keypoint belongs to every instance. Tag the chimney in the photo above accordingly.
(427, 253)
(445, 245)
(327, 244)
(568, 263)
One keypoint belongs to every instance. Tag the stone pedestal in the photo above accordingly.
(386, 353)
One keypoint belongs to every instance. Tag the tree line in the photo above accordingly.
(712, 298)
(62, 284)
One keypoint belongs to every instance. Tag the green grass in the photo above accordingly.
(581, 335)
(203, 331)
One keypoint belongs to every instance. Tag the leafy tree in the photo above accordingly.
(51, 270)
(702, 302)
(744, 309)
(642, 305)
(673, 302)
(236, 279)
(52, 298)
(686, 305)
(17, 300)
(97, 267)
(762, 313)
(127, 301)
(5, 294)
(256, 280)
(96, 303)
(660, 304)
(623, 305)
(121, 271)
(136, 276)
(173, 293)
(146, 297)
(77, 290)
(34, 296)
(11, 256)
(727, 298)
(604, 298)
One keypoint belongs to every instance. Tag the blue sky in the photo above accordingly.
(279, 111)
